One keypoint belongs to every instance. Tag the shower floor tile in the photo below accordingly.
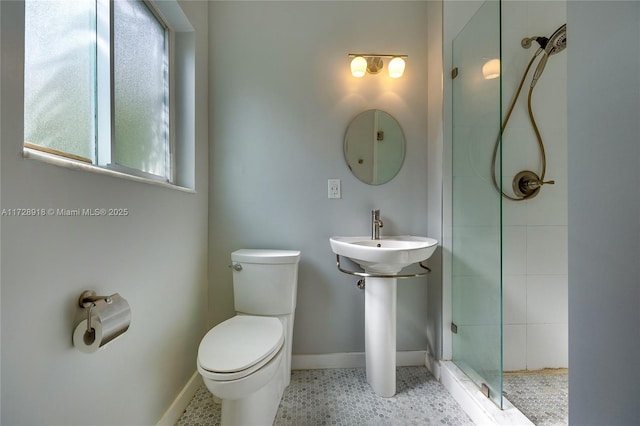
(343, 397)
(541, 396)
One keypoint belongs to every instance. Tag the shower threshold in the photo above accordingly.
(478, 407)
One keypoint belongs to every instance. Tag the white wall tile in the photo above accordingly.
(514, 213)
(550, 206)
(547, 346)
(515, 347)
(556, 151)
(547, 299)
(519, 150)
(514, 293)
(514, 251)
(547, 250)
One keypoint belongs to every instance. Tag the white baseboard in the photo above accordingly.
(479, 408)
(351, 360)
(177, 407)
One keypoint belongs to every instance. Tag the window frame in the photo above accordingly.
(177, 179)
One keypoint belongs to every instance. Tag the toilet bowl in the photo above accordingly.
(245, 361)
(240, 357)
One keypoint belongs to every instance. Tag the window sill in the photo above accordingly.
(78, 165)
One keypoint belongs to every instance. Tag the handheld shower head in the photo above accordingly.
(554, 44)
(557, 42)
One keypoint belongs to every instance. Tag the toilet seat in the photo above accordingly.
(239, 346)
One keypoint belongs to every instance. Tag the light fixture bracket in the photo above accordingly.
(374, 64)
(377, 55)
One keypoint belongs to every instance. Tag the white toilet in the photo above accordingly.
(246, 361)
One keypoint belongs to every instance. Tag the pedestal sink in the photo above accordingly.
(382, 260)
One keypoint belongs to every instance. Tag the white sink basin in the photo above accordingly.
(387, 255)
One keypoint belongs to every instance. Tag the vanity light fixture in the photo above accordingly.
(373, 63)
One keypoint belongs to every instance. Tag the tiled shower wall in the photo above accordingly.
(535, 231)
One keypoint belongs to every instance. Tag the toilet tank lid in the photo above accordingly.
(265, 256)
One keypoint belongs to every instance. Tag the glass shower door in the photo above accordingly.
(476, 222)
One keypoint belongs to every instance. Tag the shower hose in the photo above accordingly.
(535, 129)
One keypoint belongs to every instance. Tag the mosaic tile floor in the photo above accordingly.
(542, 397)
(343, 397)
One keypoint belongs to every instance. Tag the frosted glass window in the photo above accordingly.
(140, 89)
(96, 84)
(59, 76)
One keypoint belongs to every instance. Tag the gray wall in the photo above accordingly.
(281, 99)
(156, 258)
(604, 212)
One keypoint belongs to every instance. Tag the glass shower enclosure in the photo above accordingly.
(476, 204)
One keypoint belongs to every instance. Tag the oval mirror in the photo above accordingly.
(374, 147)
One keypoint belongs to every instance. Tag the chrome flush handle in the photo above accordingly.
(236, 267)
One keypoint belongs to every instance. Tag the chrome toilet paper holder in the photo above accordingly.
(107, 318)
(88, 300)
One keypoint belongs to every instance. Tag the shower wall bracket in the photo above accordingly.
(485, 390)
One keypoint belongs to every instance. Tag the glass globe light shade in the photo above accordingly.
(358, 66)
(396, 67)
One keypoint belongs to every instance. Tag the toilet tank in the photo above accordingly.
(267, 282)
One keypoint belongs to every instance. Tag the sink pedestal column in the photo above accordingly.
(380, 334)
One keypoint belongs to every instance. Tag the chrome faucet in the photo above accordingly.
(376, 224)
